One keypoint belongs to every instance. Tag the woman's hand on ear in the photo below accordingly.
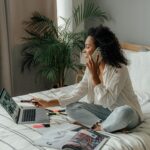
(94, 70)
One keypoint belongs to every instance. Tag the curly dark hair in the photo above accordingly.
(109, 45)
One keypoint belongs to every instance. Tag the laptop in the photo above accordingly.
(23, 114)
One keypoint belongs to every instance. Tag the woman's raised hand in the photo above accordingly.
(94, 70)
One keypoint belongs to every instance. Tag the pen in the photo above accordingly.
(61, 110)
(25, 101)
(56, 110)
(51, 112)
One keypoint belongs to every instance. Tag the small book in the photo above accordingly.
(86, 140)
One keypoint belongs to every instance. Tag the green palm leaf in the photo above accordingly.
(40, 24)
(54, 48)
(88, 10)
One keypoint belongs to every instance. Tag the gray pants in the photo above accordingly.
(89, 114)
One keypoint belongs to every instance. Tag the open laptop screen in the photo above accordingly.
(9, 105)
(23, 114)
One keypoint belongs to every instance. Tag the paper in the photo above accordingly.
(56, 139)
(57, 136)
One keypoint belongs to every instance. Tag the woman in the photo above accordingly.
(111, 103)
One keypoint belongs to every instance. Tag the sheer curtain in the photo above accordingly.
(12, 15)
(5, 53)
(65, 9)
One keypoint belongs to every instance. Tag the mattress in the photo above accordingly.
(21, 137)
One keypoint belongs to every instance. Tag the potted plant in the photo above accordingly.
(51, 47)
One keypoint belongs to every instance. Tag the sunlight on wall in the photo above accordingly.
(64, 9)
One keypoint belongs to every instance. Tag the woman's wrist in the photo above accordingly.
(96, 83)
(96, 80)
(54, 102)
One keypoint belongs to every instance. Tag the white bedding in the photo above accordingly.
(21, 137)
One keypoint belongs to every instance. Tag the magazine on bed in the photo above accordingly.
(71, 136)
(86, 140)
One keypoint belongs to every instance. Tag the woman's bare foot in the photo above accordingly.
(97, 127)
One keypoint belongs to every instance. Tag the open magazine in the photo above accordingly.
(86, 140)
(71, 136)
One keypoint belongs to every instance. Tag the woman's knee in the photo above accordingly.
(125, 112)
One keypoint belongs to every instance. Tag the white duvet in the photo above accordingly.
(21, 137)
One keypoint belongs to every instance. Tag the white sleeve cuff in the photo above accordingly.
(99, 88)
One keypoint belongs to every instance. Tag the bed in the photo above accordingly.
(21, 137)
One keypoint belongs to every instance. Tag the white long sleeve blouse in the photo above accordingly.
(115, 90)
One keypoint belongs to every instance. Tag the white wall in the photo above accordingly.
(130, 19)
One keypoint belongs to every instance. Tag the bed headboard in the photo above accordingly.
(134, 47)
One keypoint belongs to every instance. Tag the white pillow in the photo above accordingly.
(139, 70)
(144, 100)
(143, 97)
